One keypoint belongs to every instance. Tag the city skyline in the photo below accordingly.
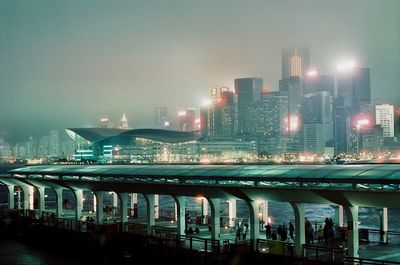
(64, 65)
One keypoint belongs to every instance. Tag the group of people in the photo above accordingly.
(281, 233)
(242, 230)
(324, 234)
(189, 229)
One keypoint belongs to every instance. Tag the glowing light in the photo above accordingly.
(182, 113)
(166, 123)
(346, 66)
(294, 123)
(312, 73)
(206, 102)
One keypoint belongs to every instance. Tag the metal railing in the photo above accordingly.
(275, 247)
(324, 253)
(362, 261)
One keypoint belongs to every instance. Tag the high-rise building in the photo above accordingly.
(161, 120)
(124, 122)
(317, 83)
(295, 61)
(317, 121)
(293, 132)
(248, 92)
(384, 116)
(215, 93)
(186, 119)
(106, 122)
(54, 143)
(353, 85)
(43, 148)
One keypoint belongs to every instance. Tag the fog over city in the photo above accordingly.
(68, 63)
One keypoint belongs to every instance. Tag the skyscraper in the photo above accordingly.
(124, 122)
(295, 61)
(384, 116)
(248, 91)
(54, 143)
(161, 118)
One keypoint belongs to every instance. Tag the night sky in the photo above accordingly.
(67, 63)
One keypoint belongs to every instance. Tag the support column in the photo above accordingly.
(27, 195)
(156, 206)
(134, 205)
(124, 206)
(150, 212)
(339, 217)
(94, 202)
(352, 241)
(215, 218)
(31, 190)
(299, 227)
(180, 217)
(79, 203)
(254, 224)
(263, 215)
(11, 200)
(204, 210)
(232, 212)
(41, 203)
(99, 206)
(59, 199)
(114, 202)
(383, 214)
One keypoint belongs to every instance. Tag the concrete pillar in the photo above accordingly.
(79, 203)
(299, 227)
(94, 202)
(352, 241)
(383, 216)
(180, 217)
(156, 208)
(263, 213)
(339, 217)
(204, 210)
(254, 222)
(134, 204)
(11, 201)
(59, 208)
(124, 206)
(114, 202)
(150, 212)
(215, 218)
(99, 206)
(232, 212)
(31, 191)
(41, 203)
(27, 195)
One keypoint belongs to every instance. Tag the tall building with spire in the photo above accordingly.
(124, 122)
(295, 61)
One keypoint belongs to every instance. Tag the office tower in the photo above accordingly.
(384, 116)
(341, 125)
(106, 122)
(54, 143)
(295, 61)
(317, 83)
(293, 132)
(221, 115)
(273, 110)
(248, 92)
(215, 93)
(124, 122)
(43, 148)
(161, 118)
(317, 121)
(353, 85)
(186, 119)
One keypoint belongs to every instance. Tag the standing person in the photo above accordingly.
(238, 232)
(245, 231)
(291, 230)
(268, 231)
(320, 233)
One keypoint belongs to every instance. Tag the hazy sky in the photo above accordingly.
(67, 63)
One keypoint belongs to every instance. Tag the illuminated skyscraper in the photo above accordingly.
(384, 116)
(248, 91)
(54, 143)
(124, 122)
(295, 61)
(161, 120)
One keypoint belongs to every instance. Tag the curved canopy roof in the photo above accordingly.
(382, 173)
(111, 134)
